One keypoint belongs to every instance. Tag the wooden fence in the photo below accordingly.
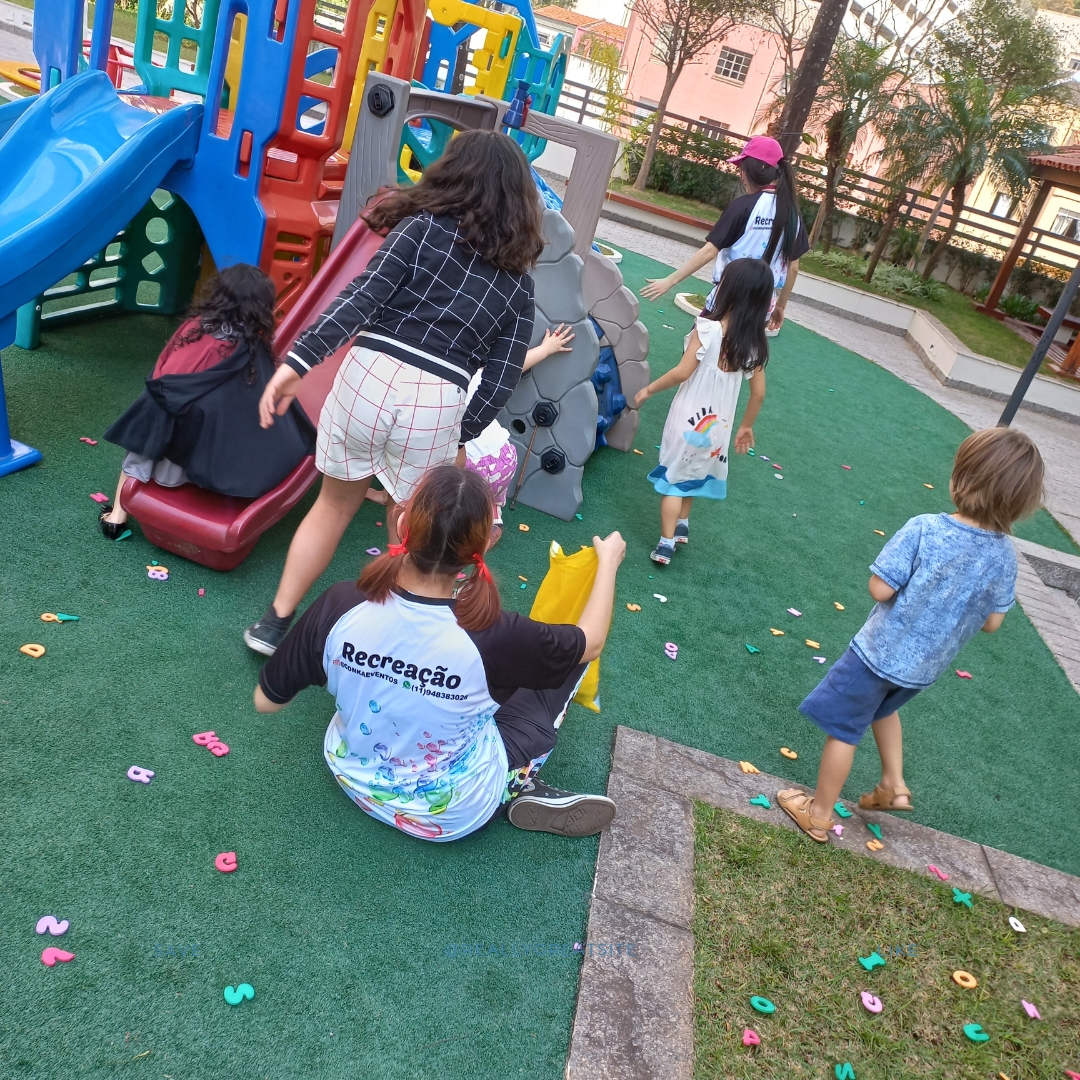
(978, 229)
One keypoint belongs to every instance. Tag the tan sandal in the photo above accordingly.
(883, 798)
(796, 804)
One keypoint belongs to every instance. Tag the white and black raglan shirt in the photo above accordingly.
(743, 233)
(414, 741)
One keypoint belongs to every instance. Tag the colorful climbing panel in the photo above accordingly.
(177, 72)
(492, 60)
(392, 39)
(545, 72)
(299, 219)
(151, 266)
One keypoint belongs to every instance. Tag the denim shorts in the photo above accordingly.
(851, 697)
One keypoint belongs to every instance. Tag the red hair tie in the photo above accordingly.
(481, 567)
(399, 549)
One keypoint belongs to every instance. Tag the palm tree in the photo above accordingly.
(856, 94)
(975, 129)
(910, 156)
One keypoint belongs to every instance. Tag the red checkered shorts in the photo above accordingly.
(388, 419)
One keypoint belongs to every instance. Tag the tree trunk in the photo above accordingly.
(887, 226)
(822, 223)
(913, 262)
(959, 191)
(819, 219)
(654, 135)
(819, 47)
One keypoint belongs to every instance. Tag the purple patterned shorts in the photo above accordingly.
(497, 470)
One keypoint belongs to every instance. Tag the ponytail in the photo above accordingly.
(477, 606)
(785, 226)
(379, 577)
(450, 517)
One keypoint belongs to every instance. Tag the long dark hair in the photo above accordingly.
(483, 182)
(236, 303)
(449, 526)
(743, 297)
(785, 226)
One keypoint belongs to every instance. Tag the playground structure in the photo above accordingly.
(242, 146)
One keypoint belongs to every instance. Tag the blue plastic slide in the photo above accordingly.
(75, 168)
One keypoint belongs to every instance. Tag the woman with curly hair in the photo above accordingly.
(447, 295)
(198, 418)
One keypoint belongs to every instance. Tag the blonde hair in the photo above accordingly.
(997, 478)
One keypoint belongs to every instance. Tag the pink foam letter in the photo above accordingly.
(51, 955)
(871, 1003)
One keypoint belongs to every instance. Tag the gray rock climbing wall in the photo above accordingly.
(552, 470)
(616, 308)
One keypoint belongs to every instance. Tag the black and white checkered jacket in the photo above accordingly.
(431, 301)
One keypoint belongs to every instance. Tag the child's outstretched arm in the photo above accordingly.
(557, 340)
(656, 287)
(744, 437)
(993, 622)
(676, 376)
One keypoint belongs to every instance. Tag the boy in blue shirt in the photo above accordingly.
(937, 582)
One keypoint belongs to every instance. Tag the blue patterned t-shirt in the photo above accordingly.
(949, 578)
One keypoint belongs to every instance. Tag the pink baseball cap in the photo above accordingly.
(762, 148)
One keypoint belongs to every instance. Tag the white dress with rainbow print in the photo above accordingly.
(694, 449)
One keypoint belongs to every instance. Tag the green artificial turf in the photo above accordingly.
(342, 924)
(756, 934)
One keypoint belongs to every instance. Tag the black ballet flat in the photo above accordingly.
(111, 530)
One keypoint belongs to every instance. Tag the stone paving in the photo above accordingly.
(635, 1013)
(15, 47)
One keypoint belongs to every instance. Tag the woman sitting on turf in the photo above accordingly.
(198, 418)
(446, 705)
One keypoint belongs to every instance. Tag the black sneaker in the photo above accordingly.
(662, 553)
(267, 634)
(540, 808)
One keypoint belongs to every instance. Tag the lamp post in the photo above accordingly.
(1061, 309)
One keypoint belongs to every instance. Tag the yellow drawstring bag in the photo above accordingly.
(562, 597)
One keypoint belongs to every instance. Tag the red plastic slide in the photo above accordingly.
(219, 531)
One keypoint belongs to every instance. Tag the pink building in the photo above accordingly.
(728, 86)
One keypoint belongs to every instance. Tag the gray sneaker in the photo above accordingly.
(268, 633)
(540, 808)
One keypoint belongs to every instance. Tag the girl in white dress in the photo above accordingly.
(726, 346)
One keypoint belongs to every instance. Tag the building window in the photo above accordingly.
(1004, 205)
(869, 19)
(1074, 63)
(1067, 223)
(733, 64)
(660, 45)
(856, 9)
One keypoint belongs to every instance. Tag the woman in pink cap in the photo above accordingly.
(763, 224)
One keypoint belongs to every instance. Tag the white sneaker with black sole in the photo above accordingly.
(540, 808)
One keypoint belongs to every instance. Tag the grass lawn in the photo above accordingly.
(978, 331)
(782, 918)
(692, 207)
